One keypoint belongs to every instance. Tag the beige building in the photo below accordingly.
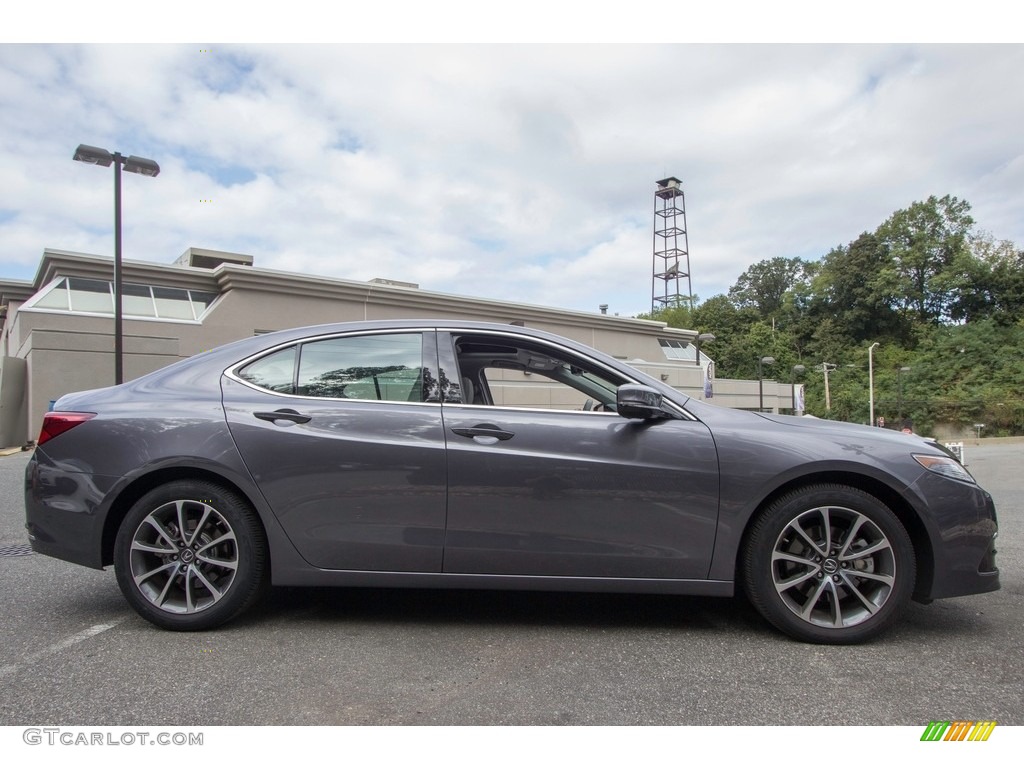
(58, 333)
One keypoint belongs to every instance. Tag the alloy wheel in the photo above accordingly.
(184, 556)
(833, 567)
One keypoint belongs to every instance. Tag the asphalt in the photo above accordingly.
(72, 652)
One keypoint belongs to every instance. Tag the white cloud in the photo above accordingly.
(516, 172)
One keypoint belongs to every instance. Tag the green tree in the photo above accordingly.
(674, 317)
(730, 326)
(855, 290)
(927, 242)
(763, 287)
(994, 272)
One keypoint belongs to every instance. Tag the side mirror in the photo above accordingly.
(634, 401)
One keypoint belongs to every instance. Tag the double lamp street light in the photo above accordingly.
(132, 164)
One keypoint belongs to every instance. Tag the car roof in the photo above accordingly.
(225, 356)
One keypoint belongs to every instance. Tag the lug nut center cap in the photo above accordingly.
(830, 566)
(187, 556)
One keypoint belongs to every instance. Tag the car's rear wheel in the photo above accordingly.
(829, 564)
(190, 555)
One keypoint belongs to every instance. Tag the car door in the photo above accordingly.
(541, 485)
(339, 435)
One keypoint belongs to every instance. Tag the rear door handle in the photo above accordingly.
(285, 414)
(484, 430)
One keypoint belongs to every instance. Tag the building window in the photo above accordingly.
(90, 296)
(674, 349)
(81, 295)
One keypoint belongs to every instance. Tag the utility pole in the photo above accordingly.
(825, 368)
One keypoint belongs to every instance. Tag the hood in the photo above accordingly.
(825, 426)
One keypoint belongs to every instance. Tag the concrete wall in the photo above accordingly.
(62, 361)
(12, 402)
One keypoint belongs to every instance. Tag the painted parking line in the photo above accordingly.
(63, 645)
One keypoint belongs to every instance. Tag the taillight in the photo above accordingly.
(58, 422)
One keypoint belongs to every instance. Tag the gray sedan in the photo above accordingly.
(473, 455)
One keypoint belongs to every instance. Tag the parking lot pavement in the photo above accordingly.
(72, 652)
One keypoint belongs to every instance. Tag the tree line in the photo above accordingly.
(944, 301)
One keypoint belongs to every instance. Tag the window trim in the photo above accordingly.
(426, 350)
(447, 338)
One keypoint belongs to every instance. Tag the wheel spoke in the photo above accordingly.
(220, 540)
(232, 564)
(190, 605)
(837, 608)
(182, 522)
(161, 530)
(887, 580)
(851, 537)
(872, 608)
(795, 525)
(812, 601)
(139, 546)
(170, 580)
(828, 529)
(785, 584)
(878, 546)
(217, 594)
(791, 558)
(147, 576)
(207, 509)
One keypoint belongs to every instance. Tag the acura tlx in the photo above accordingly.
(484, 456)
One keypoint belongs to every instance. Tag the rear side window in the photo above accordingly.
(275, 372)
(382, 367)
(385, 367)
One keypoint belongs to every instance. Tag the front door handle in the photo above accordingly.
(484, 430)
(285, 414)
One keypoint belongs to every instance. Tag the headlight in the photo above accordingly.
(944, 465)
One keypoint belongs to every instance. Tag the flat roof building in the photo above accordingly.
(58, 336)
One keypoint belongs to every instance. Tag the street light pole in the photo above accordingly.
(760, 380)
(132, 164)
(798, 370)
(899, 389)
(871, 381)
(118, 304)
(701, 338)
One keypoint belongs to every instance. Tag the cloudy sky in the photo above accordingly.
(517, 172)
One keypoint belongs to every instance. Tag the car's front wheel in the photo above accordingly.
(829, 564)
(190, 555)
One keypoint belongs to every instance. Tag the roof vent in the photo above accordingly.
(397, 283)
(209, 259)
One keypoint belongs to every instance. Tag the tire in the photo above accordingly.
(829, 564)
(198, 580)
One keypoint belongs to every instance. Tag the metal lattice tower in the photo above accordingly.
(671, 247)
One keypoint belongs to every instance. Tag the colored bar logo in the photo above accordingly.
(958, 730)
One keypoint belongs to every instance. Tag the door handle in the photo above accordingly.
(484, 430)
(285, 414)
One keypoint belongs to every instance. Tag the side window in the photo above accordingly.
(524, 389)
(513, 373)
(384, 367)
(275, 372)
